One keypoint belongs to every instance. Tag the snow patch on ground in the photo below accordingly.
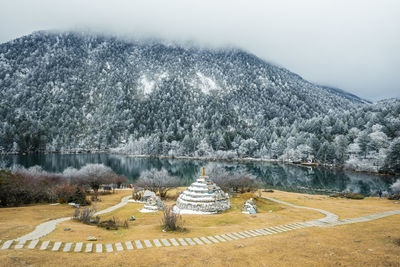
(147, 210)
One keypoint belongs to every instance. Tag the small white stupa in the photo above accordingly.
(249, 207)
(153, 204)
(202, 197)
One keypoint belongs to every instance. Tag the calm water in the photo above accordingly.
(280, 176)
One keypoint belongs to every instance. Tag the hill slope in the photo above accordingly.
(67, 90)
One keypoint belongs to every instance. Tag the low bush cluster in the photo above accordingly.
(34, 185)
(171, 221)
(84, 215)
(21, 188)
(394, 196)
(350, 195)
(113, 224)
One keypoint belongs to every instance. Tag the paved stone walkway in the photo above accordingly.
(329, 220)
(48, 227)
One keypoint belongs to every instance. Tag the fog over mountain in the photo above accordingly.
(352, 45)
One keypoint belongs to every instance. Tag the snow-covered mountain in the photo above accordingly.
(70, 90)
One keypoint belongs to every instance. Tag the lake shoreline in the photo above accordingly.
(208, 159)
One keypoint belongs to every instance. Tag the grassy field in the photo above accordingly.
(375, 243)
(15, 222)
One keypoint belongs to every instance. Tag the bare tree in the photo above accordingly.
(94, 175)
(171, 221)
(157, 181)
(239, 181)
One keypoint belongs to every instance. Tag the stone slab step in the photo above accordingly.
(174, 242)
(157, 243)
(109, 248)
(44, 245)
(129, 245)
(190, 241)
(33, 244)
(213, 239)
(230, 236)
(221, 239)
(20, 244)
(198, 241)
(138, 244)
(291, 227)
(205, 240)
(56, 246)
(7, 244)
(242, 234)
(165, 242)
(249, 232)
(67, 247)
(78, 247)
(262, 232)
(276, 229)
(99, 248)
(182, 241)
(271, 230)
(147, 243)
(280, 228)
(89, 247)
(119, 247)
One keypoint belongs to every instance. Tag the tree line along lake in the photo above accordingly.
(272, 175)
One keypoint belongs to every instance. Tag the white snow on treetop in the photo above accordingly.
(205, 83)
(146, 85)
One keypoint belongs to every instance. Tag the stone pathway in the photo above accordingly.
(48, 227)
(329, 220)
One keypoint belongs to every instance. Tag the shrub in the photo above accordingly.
(268, 190)
(113, 224)
(17, 189)
(71, 193)
(171, 221)
(348, 195)
(394, 197)
(64, 193)
(84, 215)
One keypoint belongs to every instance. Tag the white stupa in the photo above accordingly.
(202, 197)
(153, 204)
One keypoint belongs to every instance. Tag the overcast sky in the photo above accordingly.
(350, 44)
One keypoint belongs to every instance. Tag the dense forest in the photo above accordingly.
(68, 92)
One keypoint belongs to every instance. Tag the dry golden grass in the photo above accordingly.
(334, 246)
(148, 226)
(18, 221)
(344, 208)
(378, 240)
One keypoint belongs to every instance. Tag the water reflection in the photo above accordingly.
(286, 177)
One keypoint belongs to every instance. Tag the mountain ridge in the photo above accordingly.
(69, 89)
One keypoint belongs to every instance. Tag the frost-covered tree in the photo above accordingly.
(392, 161)
(157, 181)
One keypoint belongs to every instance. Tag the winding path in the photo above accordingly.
(48, 227)
(43, 229)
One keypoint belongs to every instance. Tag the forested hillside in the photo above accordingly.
(63, 92)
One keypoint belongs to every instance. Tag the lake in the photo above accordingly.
(278, 176)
